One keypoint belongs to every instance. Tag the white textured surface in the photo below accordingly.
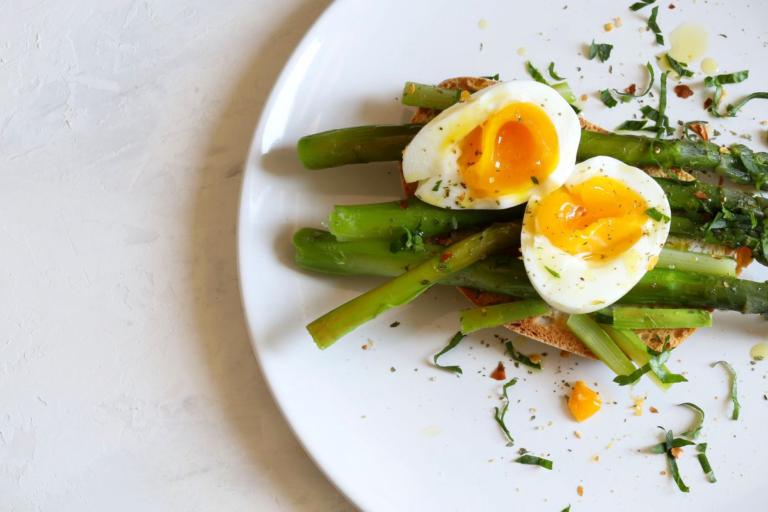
(127, 381)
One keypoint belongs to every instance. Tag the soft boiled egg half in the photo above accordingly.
(495, 149)
(589, 242)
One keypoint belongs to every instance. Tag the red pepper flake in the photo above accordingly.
(499, 373)
(631, 89)
(404, 203)
(707, 103)
(446, 256)
(699, 129)
(720, 181)
(683, 91)
(743, 258)
(653, 410)
(700, 195)
(671, 6)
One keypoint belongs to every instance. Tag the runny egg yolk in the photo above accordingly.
(597, 219)
(511, 151)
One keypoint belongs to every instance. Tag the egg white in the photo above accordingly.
(431, 157)
(584, 286)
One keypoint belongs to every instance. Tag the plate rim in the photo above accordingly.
(241, 233)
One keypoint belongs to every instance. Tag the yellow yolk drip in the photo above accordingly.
(597, 219)
(583, 401)
(514, 149)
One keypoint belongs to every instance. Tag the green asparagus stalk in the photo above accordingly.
(600, 344)
(506, 275)
(429, 96)
(633, 317)
(358, 145)
(385, 143)
(493, 316)
(696, 262)
(387, 220)
(631, 344)
(409, 285)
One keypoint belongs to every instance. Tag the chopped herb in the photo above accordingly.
(535, 73)
(670, 442)
(657, 215)
(410, 240)
(535, 180)
(499, 417)
(492, 77)
(631, 125)
(731, 110)
(520, 357)
(726, 79)
(631, 378)
(654, 26)
(662, 124)
(451, 345)
(534, 461)
(717, 82)
(734, 390)
(568, 508)
(552, 272)
(507, 385)
(607, 98)
(657, 364)
(600, 50)
(437, 186)
(500, 413)
(626, 96)
(698, 423)
(553, 73)
(704, 462)
(639, 5)
(678, 67)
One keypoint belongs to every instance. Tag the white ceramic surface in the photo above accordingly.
(390, 430)
(127, 380)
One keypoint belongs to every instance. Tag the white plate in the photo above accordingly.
(390, 430)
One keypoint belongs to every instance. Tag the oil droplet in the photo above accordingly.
(482, 24)
(521, 51)
(689, 42)
(709, 66)
(759, 351)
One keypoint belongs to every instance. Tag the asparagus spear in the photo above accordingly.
(385, 143)
(409, 285)
(358, 145)
(386, 220)
(502, 274)
(429, 96)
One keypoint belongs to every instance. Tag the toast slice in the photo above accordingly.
(551, 328)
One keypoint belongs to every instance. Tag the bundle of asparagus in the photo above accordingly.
(361, 237)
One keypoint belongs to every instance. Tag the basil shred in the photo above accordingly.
(657, 215)
(499, 414)
(639, 5)
(520, 357)
(607, 98)
(600, 50)
(626, 96)
(451, 345)
(534, 461)
(698, 424)
(665, 447)
(678, 67)
(704, 462)
(553, 73)
(655, 365)
(733, 387)
(654, 26)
